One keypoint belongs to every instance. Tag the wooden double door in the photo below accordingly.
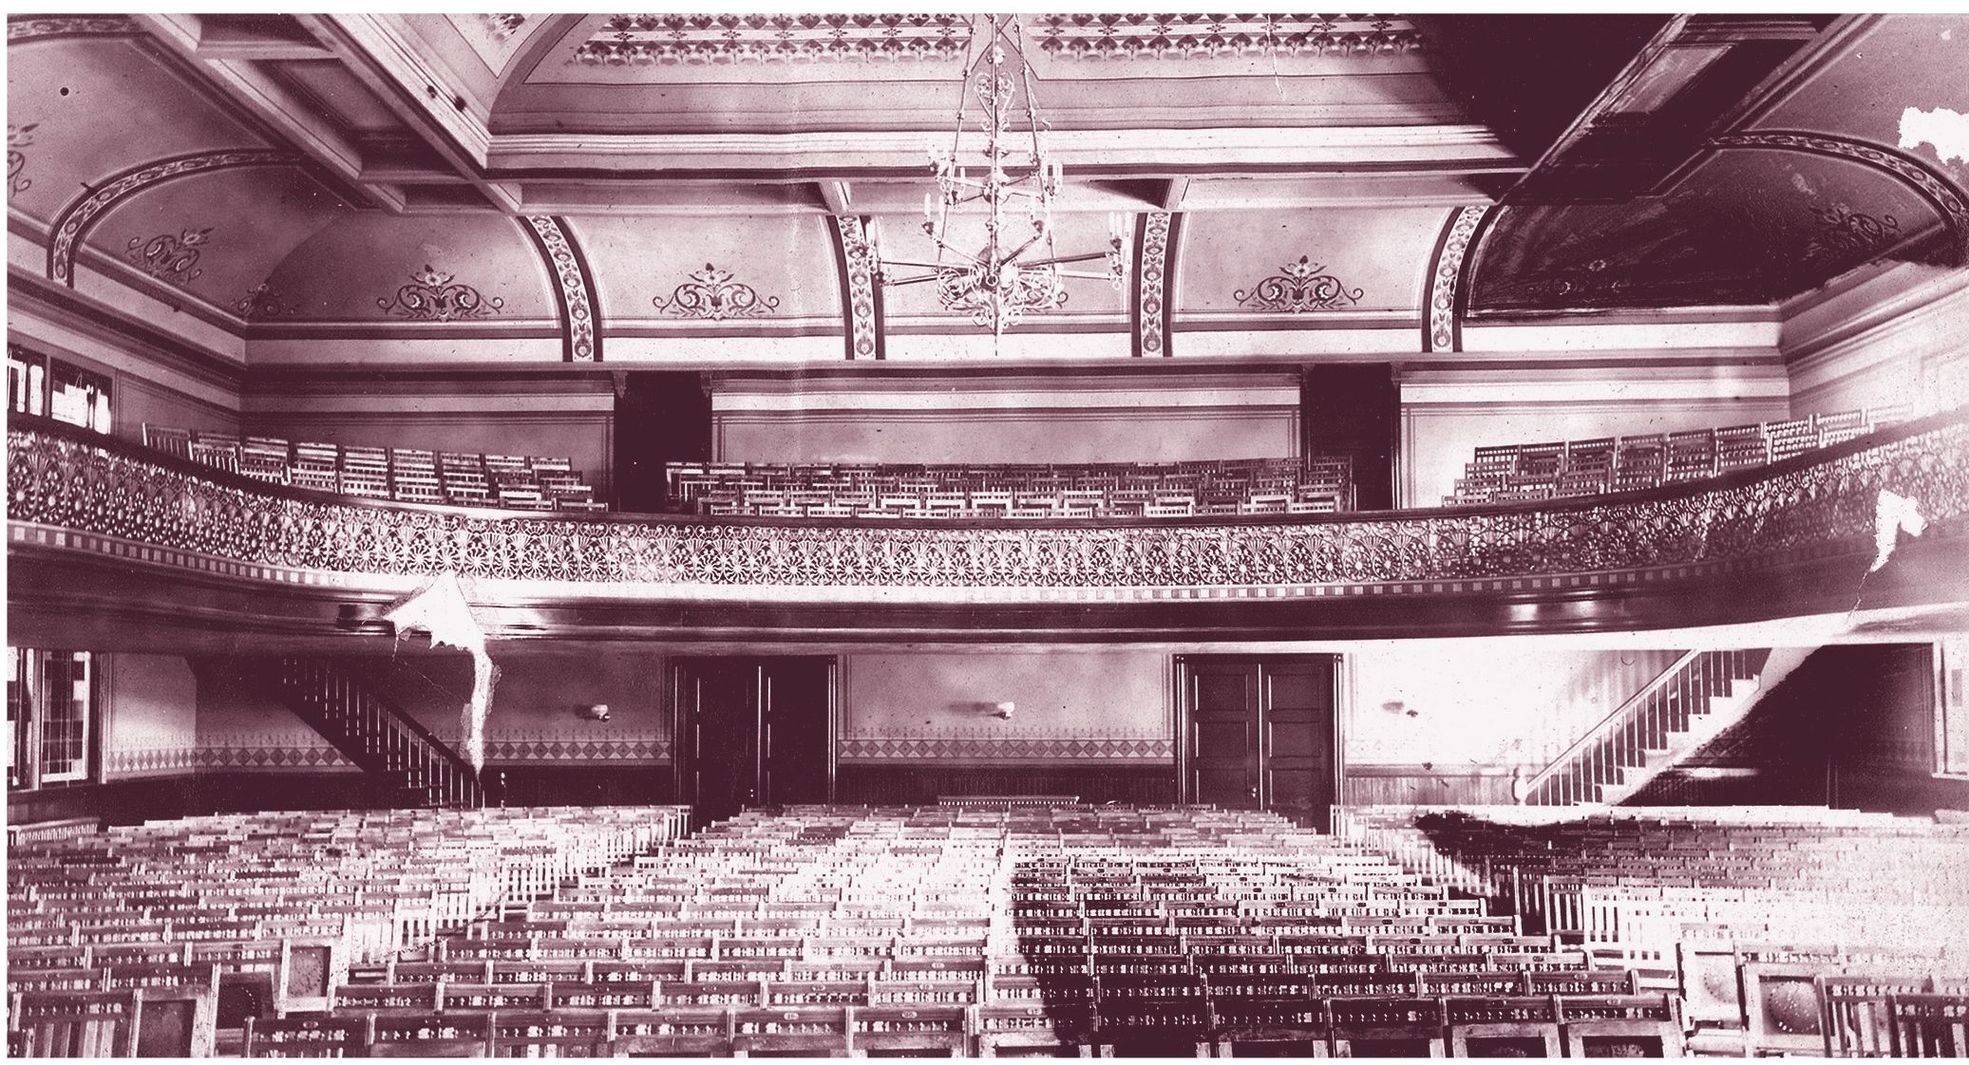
(752, 731)
(1259, 732)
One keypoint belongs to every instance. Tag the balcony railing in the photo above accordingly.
(1812, 506)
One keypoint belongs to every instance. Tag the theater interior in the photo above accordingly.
(987, 535)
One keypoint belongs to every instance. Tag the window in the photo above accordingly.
(1952, 707)
(51, 708)
(38, 385)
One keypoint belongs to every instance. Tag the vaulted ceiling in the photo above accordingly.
(678, 187)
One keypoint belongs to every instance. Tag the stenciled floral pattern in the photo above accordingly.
(434, 296)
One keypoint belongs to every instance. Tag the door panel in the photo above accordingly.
(752, 731)
(1298, 716)
(1261, 732)
(796, 701)
(1223, 757)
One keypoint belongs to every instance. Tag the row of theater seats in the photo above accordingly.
(168, 934)
(828, 930)
(407, 475)
(1559, 469)
(1314, 485)
(1782, 929)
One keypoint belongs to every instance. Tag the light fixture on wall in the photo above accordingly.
(1010, 187)
(592, 711)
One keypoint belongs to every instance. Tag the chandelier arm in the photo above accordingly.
(1057, 259)
(892, 282)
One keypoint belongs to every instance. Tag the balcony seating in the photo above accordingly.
(1316, 485)
(1515, 472)
(407, 475)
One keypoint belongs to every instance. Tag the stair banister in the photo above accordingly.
(1600, 728)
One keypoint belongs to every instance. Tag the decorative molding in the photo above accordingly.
(713, 294)
(573, 749)
(150, 761)
(262, 303)
(271, 756)
(1942, 194)
(433, 296)
(662, 39)
(73, 223)
(28, 29)
(19, 138)
(1125, 36)
(1152, 284)
(1446, 276)
(1297, 288)
(860, 297)
(1006, 750)
(171, 257)
(582, 341)
(70, 490)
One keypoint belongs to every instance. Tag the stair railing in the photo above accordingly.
(1642, 722)
(376, 734)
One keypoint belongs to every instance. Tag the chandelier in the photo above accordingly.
(1007, 185)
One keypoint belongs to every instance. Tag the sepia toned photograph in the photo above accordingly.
(1015, 534)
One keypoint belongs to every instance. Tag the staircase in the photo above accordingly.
(374, 733)
(1699, 694)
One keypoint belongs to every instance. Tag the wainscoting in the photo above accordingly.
(1368, 785)
(925, 782)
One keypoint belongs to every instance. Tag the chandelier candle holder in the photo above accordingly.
(1008, 185)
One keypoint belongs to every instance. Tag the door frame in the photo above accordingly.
(1182, 692)
(681, 762)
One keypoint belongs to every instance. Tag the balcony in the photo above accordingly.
(114, 538)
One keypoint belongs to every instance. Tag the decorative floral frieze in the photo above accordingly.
(1447, 275)
(858, 277)
(1297, 288)
(73, 492)
(502, 27)
(643, 39)
(434, 296)
(714, 294)
(577, 303)
(169, 257)
(19, 139)
(27, 29)
(1151, 282)
(1125, 36)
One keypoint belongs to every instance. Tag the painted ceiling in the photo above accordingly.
(636, 181)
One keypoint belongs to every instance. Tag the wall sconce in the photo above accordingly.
(594, 712)
(1003, 711)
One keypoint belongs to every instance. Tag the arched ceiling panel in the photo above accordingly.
(903, 239)
(1749, 225)
(1261, 262)
(82, 108)
(732, 269)
(416, 268)
(218, 235)
(1916, 63)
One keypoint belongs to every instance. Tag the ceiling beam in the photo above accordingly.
(293, 119)
(1172, 198)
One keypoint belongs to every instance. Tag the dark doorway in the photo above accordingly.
(753, 732)
(1259, 733)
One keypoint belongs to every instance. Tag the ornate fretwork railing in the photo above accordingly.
(1815, 504)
